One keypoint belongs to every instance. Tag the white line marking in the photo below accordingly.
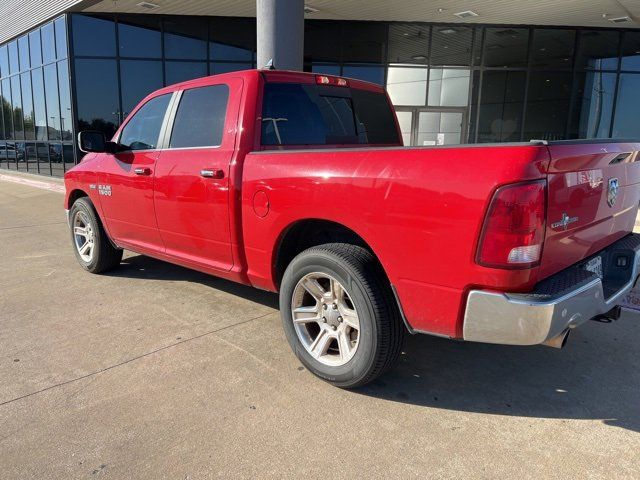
(52, 187)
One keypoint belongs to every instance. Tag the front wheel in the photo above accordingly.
(91, 244)
(339, 314)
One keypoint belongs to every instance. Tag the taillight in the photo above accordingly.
(513, 231)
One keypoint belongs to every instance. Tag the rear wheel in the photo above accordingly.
(92, 247)
(339, 315)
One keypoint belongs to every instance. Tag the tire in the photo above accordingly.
(357, 356)
(102, 255)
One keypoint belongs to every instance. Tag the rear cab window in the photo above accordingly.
(312, 114)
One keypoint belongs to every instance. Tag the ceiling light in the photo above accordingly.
(147, 5)
(447, 31)
(619, 19)
(310, 9)
(419, 57)
(466, 14)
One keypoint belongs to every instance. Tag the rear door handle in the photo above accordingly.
(212, 173)
(142, 171)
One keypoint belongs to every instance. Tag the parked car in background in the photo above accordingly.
(298, 183)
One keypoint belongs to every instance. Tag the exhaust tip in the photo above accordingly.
(559, 341)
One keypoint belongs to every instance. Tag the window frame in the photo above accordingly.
(163, 125)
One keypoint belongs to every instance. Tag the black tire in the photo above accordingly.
(104, 256)
(381, 329)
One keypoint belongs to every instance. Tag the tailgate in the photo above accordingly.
(592, 199)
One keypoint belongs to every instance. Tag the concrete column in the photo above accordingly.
(280, 37)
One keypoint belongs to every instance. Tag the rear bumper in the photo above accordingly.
(562, 301)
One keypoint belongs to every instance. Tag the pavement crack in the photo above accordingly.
(133, 359)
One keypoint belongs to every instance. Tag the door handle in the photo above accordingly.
(212, 173)
(142, 171)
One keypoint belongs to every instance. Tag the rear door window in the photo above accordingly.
(142, 131)
(200, 117)
(301, 114)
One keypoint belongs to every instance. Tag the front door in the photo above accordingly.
(430, 126)
(192, 176)
(125, 179)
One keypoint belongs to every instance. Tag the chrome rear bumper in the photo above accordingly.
(562, 301)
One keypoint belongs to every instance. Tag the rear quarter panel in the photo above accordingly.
(419, 209)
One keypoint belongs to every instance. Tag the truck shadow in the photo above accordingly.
(595, 377)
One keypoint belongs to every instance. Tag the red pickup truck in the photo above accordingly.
(299, 184)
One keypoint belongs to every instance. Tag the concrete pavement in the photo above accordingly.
(155, 371)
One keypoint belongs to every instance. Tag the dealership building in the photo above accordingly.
(456, 71)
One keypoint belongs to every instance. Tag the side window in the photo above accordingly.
(200, 117)
(143, 130)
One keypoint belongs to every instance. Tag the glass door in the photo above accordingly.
(428, 127)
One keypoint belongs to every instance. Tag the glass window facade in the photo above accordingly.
(36, 125)
(449, 83)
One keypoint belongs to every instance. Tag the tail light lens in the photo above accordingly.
(513, 231)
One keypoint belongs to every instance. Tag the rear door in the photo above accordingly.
(192, 175)
(593, 195)
(125, 179)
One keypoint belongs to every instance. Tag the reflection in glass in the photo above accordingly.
(35, 49)
(39, 111)
(7, 109)
(501, 106)
(138, 79)
(232, 39)
(97, 112)
(408, 43)
(67, 154)
(139, 37)
(14, 63)
(548, 101)
(66, 123)
(42, 152)
(27, 106)
(451, 46)
(407, 85)
(31, 157)
(448, 87)
(21, 156)
(594, 104)
(322, 41)
(368, 73)
(92, 36)
(60, 28)
(631, 51)
(553, 48)
(16, 97)
(51, 98)
(626, 123)
(222, 67)
(55, 154)
(23, 52)
(598, 49)
(4, 61)
(506, 47)
(326, 69)
(180, 71)
(185, 38)
(49, 43)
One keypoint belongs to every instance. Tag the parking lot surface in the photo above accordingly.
(155, 371)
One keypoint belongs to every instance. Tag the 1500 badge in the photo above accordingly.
(566, 220)
(104, 190)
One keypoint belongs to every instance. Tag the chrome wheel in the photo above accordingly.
(84, 236)
(325, 319)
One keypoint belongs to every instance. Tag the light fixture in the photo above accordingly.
(466, 14)
(447, 31)
(148, 5)
(419, 57)
(310, 9)
(619, 19)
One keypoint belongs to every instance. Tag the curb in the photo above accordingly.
(31, 180)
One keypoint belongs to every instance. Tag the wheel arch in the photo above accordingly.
(74, 195)
(310, 232)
